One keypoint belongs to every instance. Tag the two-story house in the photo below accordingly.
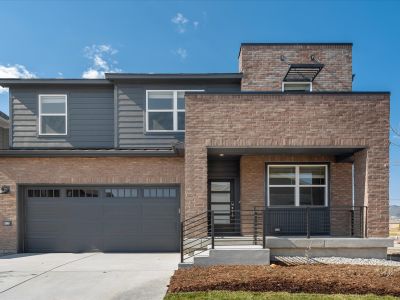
(281, 153)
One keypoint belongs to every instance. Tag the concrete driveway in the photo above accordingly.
(86, 275)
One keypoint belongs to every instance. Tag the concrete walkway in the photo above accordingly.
(86, 276)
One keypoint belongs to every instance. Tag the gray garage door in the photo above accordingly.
(109, 219)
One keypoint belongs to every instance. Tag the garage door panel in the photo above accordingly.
(40, 229)
(162, 227)
(42, 245)
(131, 227)
(163, 244)
(78, 209)
(41, 209)
(114, 220)
(152, 209)
(126, 208)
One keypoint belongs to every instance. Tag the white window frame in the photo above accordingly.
(295, 82)
(65, 115)
(297, 184)
(174, 109)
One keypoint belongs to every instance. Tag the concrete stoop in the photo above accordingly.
(230, 255)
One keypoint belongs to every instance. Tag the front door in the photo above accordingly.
(222, 201)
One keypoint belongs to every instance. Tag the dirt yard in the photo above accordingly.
(324, 279)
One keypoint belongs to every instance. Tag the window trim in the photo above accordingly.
(297, 184)
(296, 82)
(174, 110)
(65, 115)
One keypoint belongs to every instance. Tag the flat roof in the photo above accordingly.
(113, 76)
(110, 77)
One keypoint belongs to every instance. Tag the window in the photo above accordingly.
(43, 193)
(159, 193)
(296, 86)
(165, 110)
(82, 193)
(297, 185)
(52, 114)
(121, 193)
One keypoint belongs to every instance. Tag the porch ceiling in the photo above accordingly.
(334, 151)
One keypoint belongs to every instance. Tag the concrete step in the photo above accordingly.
(185, 265)
(234, 255)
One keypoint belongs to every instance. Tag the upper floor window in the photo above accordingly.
(53, 114)
(165, 110)
(296, 86)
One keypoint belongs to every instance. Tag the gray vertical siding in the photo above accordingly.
(131, 112)
(90, 117)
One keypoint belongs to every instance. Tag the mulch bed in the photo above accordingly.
(324, 279)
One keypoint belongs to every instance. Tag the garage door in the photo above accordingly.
(108, 219)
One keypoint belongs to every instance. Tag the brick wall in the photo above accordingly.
(252, 184)
(72, 170)
(263, 69)
(300, 120)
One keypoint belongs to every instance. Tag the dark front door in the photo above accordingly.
(222, 202)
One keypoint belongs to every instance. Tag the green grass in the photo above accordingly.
(225, 295)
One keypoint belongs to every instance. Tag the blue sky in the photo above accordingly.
(71, 39)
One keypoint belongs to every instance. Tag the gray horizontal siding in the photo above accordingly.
(90, 117)
(131, 103)
(3, 138)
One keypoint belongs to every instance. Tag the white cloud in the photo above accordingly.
(196, 24)
(181, 52)
(181, 22)
(14, 71)
(102, 61)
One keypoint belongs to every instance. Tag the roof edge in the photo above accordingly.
(294, 44)
(291, 93)
(4, 116)
(114, 76)
(298, 44)
(7, 82)
(85, 153)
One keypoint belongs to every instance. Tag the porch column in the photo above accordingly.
(341, 199)
(371, 188)
(195, 180)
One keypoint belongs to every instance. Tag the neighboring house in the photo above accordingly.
(114, 164)
(4, 124)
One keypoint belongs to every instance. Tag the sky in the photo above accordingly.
(74, 39)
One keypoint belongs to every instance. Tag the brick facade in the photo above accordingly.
(71, 170)
(263, 69)
(292, 120)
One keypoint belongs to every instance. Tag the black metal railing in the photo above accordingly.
(250, 227)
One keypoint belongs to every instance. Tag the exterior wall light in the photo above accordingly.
(7, 223)
(4, 189)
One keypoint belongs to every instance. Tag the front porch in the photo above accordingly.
(316, 234)
(294, 191)
(291, 201)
